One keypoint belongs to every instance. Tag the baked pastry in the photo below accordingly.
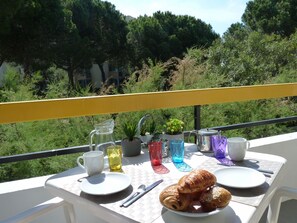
(197, 187)
(171, 198)
(196, 181)
(195, 196)
(215, 197)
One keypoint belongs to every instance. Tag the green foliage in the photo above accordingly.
(271, 16)
(149, 79)
(12, 79)
(14, 88)
(165, 35)
(103, 31)
(187, 31)
(145, 38)
(148, 127)
(57, 84)
(69, 34)
(36, 136)
(253, 59)
(130, 129)
(30, 28)
(41, 135)
(174, 126)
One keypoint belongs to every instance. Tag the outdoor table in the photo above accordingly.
(246, 205)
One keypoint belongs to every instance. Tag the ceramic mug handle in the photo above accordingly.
(78, 161)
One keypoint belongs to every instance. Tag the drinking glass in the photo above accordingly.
(219, 146)
(155, 151)
(114, 154)
(177, 150)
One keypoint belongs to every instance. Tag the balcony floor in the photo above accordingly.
(287, 212)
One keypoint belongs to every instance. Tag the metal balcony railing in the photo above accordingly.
(25, 111)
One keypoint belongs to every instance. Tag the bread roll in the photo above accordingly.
(172, 199)
(196, 181)
(215, 197)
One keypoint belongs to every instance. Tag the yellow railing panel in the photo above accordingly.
(25, 111)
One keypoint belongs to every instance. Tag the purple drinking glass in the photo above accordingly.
(219, 146)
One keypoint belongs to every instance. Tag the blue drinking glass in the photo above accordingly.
(177, 150)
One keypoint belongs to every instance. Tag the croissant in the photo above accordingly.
(172, 199)
(216, 197)
(196, 181)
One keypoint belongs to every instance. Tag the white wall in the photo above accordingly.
(18, 196)
(96, 76)
(282, 145)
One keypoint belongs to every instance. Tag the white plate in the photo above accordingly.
(105, 183)
(239, 177)
(198, 213)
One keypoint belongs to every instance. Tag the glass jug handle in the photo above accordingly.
(92, 133)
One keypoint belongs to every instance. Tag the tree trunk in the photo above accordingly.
(70, 77)
(27, 73)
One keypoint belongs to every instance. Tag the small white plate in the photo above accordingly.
(239, 177)
(105, 183)
(198, 213)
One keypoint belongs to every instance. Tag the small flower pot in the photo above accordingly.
(131, 148)
(169, 137)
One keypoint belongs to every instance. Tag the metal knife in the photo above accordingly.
(147, 189)
(265, 171)
(259, 169)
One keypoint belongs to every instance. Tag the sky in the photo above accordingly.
(220, 14)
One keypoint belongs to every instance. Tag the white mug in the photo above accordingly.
(93, 162)
(237, 147)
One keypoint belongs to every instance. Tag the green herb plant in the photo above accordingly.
(130, 129)
(174, 126)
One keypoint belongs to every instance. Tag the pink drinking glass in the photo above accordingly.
(155, 151)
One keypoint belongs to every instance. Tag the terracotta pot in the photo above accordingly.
(131, 148)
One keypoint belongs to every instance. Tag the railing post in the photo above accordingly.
(197, 118)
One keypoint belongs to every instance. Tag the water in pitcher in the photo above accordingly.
(102, 136)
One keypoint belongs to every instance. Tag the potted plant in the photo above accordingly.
(131, 145)
(174, 126)
(147, 131)
(173, 130)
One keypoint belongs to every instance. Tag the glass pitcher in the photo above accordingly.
(102, 136)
